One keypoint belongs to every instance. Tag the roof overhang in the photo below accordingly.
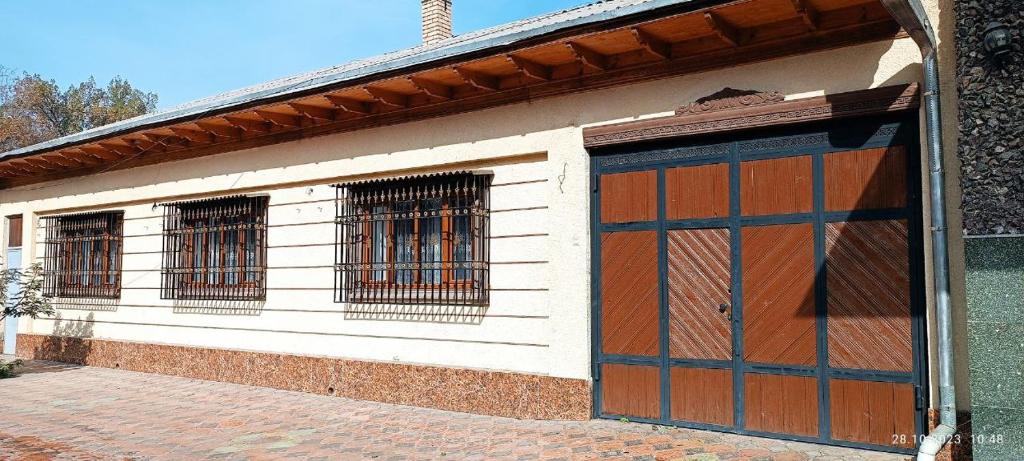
(596, 46)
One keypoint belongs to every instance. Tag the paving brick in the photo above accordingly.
(103, 414)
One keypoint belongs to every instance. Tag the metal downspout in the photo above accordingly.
(940, 257)
(911, 16)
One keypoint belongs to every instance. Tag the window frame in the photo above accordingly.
(399, 211)
(229, 269)
(68, 267)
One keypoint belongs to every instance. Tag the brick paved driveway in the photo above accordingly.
(61, 412)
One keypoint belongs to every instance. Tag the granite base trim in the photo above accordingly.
(514, 395)
(961, 449)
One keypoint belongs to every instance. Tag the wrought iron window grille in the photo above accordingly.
(215, 249)
(417, 240)
(82, 255)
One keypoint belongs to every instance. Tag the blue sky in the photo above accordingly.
(188, 49)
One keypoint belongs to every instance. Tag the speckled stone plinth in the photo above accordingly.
(995, 333)
(516, 395)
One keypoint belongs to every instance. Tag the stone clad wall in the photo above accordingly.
(991, 107)
(991, 151)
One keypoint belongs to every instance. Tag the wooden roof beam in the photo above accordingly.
(166, 140)
(432, 88)
(352, 106)
(24, 165)
(82, 156)
(100, 151)
(808, 13)
(388, 97)
(7, 169)
(14, 168)
(233, 132)
(652, 44)
(725, 31)
(530, 68)
(314, 112)
(478, 80)
(61, 160)
(42, 164)
(120, 149)
(248, 124)
(277, 118)
(589, 57)
(195, 136)
(27, 167)
(145, 146)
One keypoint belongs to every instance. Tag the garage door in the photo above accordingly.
(768, 283)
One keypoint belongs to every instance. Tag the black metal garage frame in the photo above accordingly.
(813, 139)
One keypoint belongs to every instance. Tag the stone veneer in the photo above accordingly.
(515, 395)
(995, 338)
(991, 107)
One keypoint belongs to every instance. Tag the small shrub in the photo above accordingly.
(7, 369)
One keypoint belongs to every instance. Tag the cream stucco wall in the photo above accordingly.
(538, 321)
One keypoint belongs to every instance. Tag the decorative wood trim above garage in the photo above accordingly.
(754, 110)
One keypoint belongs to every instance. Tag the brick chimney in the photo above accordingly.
(437, 20)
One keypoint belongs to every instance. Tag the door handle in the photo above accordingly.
(724, 307)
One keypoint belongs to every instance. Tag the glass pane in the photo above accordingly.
(380, 242)
(231, 256)
(112, 261)
(250, 252)
(462, 241)
(213, 251)
(430, 241)
(197, 256)
(405, 243)
(83, 262)
(96, 271)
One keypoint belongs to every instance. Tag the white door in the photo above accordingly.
(11, 323)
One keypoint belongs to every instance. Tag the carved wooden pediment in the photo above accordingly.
(731, 98)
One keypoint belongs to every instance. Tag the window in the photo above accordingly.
(82, 255)
(215, 249)
(414, 241)
(14, 231)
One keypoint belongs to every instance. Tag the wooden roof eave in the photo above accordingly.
(597, 59)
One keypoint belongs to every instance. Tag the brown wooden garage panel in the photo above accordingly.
(697, 192)
(702, 395)
(629, 197)
(873, 412)
(820, 343)
(631, 390)
(868, 273)
(778, 294)
(776, 186)
(698, 284)
(781, 404)
(629, 293)
(866, 179)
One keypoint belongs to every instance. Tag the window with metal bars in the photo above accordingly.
(82, 255)
(421, 240)
(215, 249)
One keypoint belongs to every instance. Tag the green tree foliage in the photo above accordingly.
(30, 302)
(33, 109)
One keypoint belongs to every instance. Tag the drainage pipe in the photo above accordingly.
(911, 16)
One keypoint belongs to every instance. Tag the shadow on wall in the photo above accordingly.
(466, 315)
(68, 341)
(86, 304)
(219, 307)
